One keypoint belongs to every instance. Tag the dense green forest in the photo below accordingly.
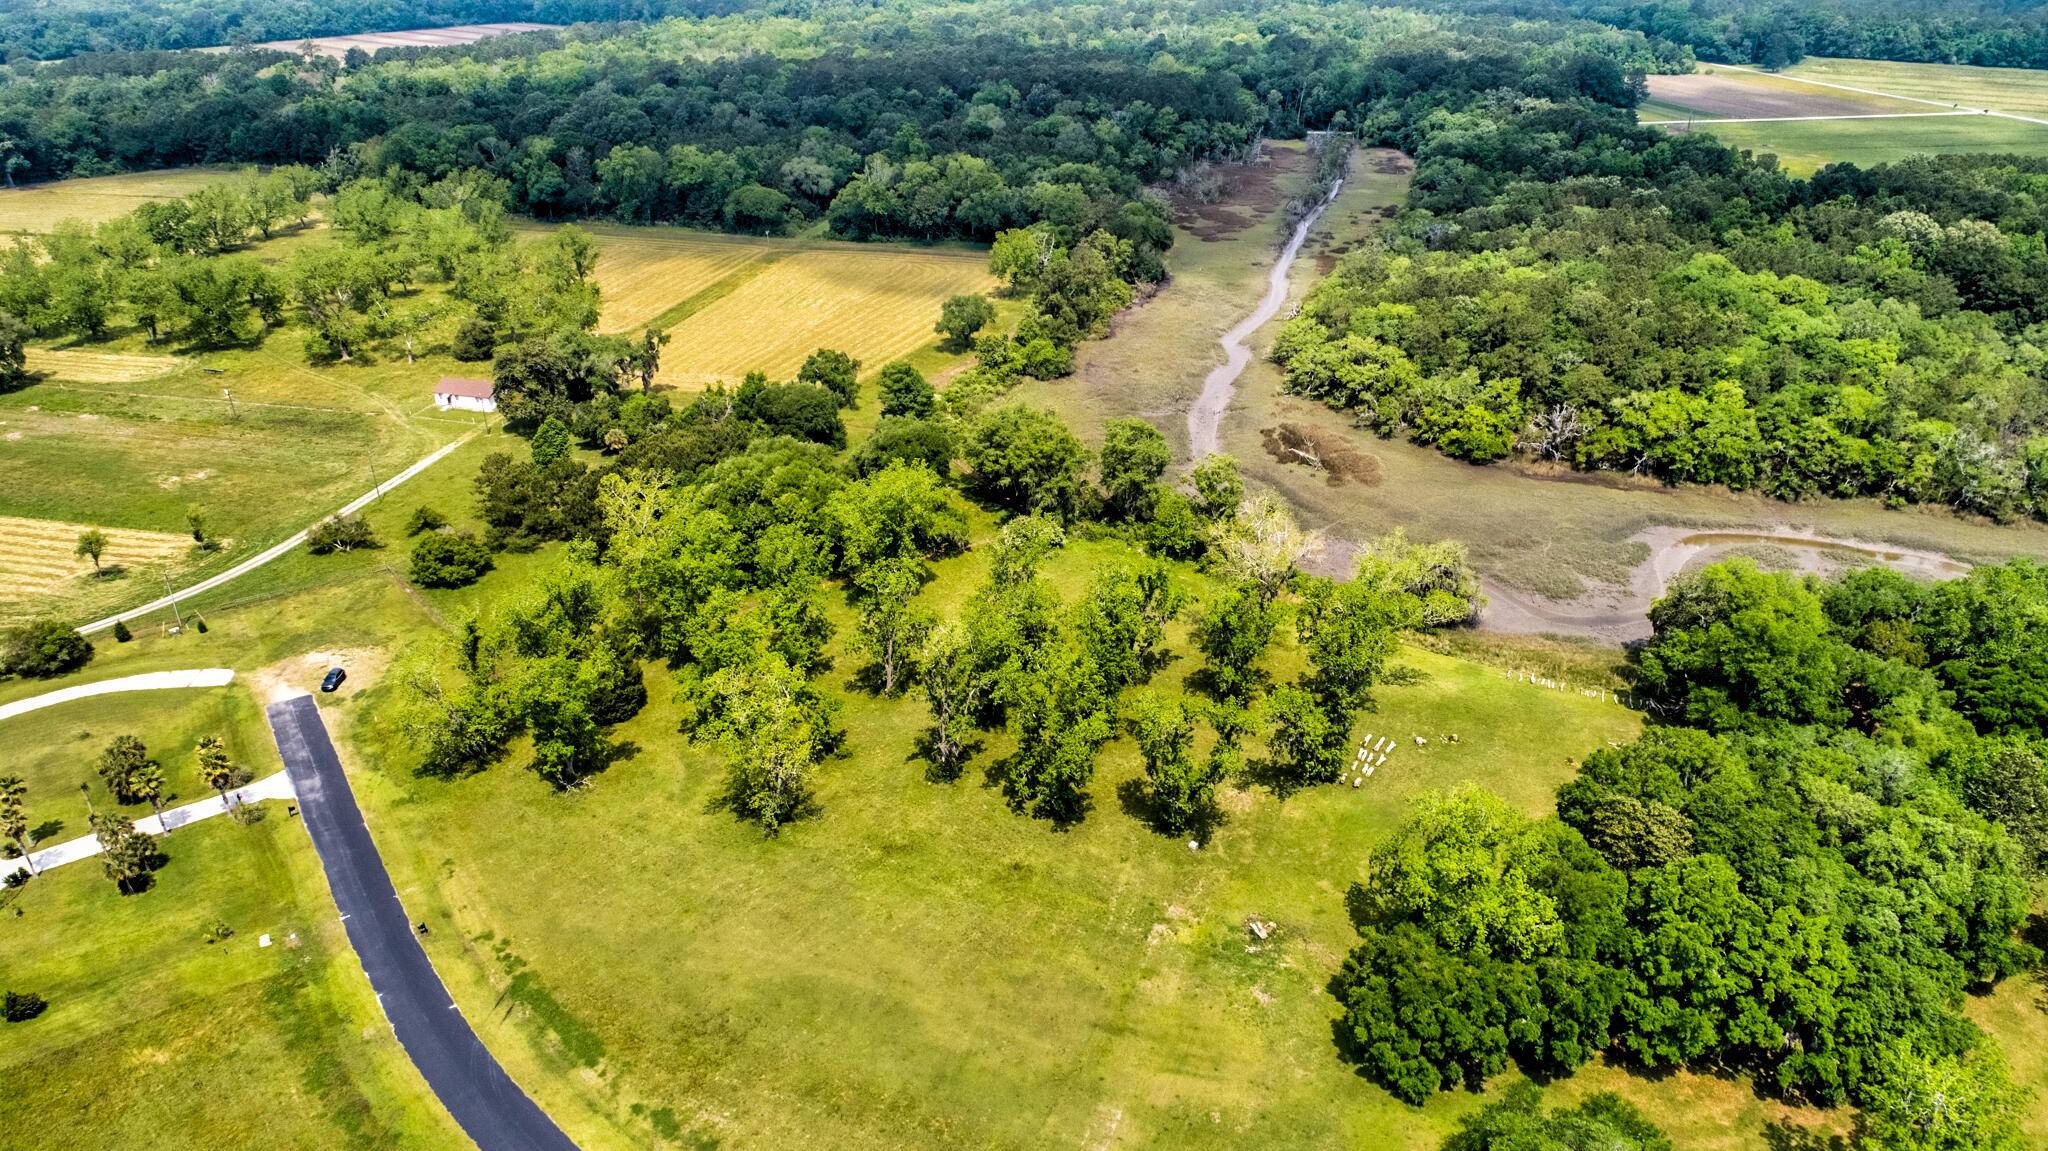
(1775, 33)
(1574, 288)
(929, 124)
(1798, 877)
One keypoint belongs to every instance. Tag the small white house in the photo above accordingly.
(465, 395)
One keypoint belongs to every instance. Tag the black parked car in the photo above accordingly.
(333, 680)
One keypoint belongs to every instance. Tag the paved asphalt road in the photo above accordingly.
(483, 1099)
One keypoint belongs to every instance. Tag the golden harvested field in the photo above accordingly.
(36, 555)
(873, 305)
(96, 199)
(646, 274)
(98, 367)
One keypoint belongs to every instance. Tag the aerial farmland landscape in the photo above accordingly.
(964, 573)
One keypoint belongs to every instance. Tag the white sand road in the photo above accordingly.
(147, 681)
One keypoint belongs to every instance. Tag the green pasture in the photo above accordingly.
(1804, 146)
(157, 1038)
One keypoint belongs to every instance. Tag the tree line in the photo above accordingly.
(1779, 33)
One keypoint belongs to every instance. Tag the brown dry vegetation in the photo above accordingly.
(1714, 92)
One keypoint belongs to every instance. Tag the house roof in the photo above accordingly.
(460, 386)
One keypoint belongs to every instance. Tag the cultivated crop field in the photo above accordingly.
(1720, 93)
(1804, 146)
(1809, 124)
(95, 199)
(36, 556)
(873, 305)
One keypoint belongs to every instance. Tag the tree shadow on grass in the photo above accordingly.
(47, 830)
(1780, 1135)
(934, 771)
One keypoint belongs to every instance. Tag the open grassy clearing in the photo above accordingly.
(38, 557)
(39, 208)
(1803, 146)
(2019, 90)
(125, 435)
(873, 305)
(156, 1038)
(1716, 93)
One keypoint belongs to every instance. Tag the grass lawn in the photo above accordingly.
(156, 1038)
(1804, 146)
(60, 747)
(918, 965)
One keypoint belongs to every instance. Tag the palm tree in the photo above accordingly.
(148, 783)
(14, 818)
(215, 768)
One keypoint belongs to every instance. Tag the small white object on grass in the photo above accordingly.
(263, 941)
(1194, 845)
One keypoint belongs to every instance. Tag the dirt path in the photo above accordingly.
(1620, 614)
(1206, 416)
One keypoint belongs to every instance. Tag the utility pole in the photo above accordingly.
(175, 613)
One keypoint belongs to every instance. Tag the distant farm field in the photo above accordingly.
(1723, 93)
(375, 42)
(1803, 146)
(2017, 90)
(39, 208)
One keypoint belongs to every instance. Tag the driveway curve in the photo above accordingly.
(147, 681)
(484, 1100)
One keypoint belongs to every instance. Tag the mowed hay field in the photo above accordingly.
(1805, 146)
(872, 305)
(1721, 93)
(736, 304)
(645, 273)
(2018, 90)
(37, 556)
(39, 208)
(99, 367)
